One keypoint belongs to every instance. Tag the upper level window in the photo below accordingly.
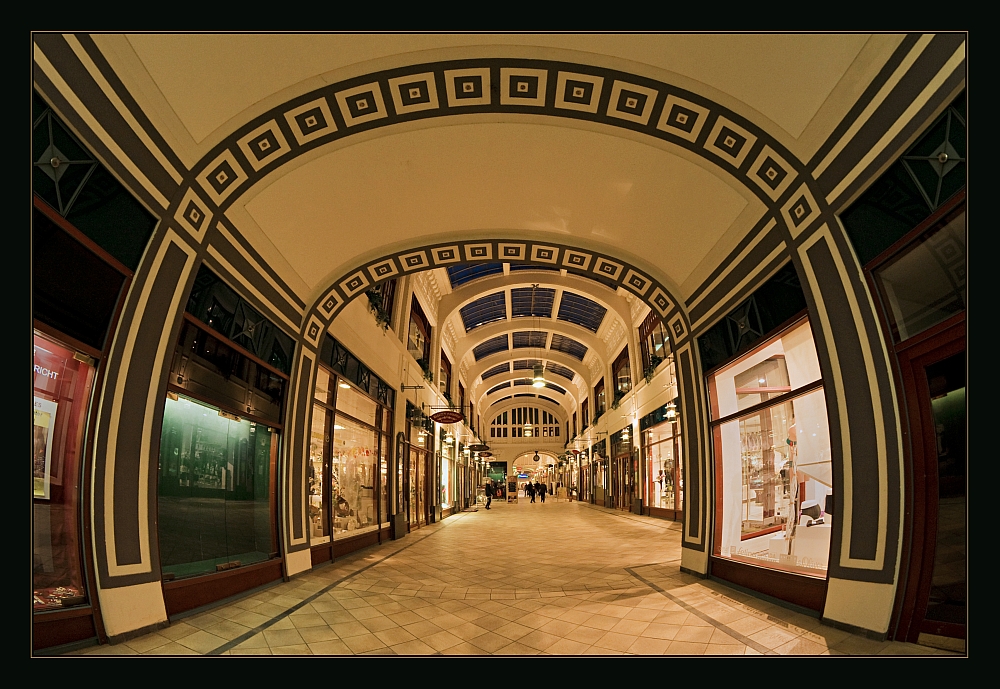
(925, 283)
(654, 343)
(381, 299)
(419, 335)
(599, 399)
(584, 413)
(622, 373)
(444, 379)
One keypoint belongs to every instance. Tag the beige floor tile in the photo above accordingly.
(695, 634)
(490, 642)
(687, 648)
(329, 647)
(772, 637)
(380, 623)
(858, 645)
(293, 650)
(441, 640)
(516, 648)
(265, 651)
(600, 622)
(346, 629)
(513, 630)
(252, 620)
(464, 649)
(422, 628)
(725, 649)
(283, 637)
(648, 646)
(201, 641)
(363, 643)
(405, 617)
(109, 650)
(616, 641)
(749, 625)
(313, 635)
(172, 649)
(307, 620)
(413, 648)
(626, 626)
(147, 642)
(801, 646)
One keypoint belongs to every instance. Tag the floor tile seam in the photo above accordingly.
(229, 645)
(708, 618)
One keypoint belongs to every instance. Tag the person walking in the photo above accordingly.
(489, 494)
(529, 490)
(542, 489)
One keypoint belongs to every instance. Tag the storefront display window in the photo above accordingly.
(662, 449)
(353, 463)
(772, 449)
(319, 506)
(62, 388)
(216, 476)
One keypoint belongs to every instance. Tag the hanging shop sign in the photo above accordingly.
(479, 448)
(447, 416)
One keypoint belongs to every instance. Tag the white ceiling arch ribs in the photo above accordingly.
(591, 289)
(475, 337)
(546, 355)
(565, 401)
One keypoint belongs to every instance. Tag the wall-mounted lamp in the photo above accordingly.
(671, 411)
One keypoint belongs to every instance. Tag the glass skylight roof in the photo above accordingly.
(559, 370)
(530, 338)
(567, 345)
(497, 370)
(577, 309)
(531, 301)
(461, 274)
(490, 346)
(488, 309)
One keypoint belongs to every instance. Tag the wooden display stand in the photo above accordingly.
(512, 491)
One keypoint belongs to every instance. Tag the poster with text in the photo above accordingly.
(41, 461)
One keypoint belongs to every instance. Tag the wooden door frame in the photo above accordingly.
(943, 341)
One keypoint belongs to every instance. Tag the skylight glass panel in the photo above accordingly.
(577, 309)
(488, 309)
(568, 345)
(490, 346)
(497, 370)
(461, 274)
(531, 301)
(530, 338)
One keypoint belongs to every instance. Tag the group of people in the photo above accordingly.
(495, 490)
(536, 488)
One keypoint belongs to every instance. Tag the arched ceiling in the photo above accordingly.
(669, 209)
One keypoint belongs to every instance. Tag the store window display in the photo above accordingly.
(215, 489)
(61, 395)
(772, 452)
(354, 462)
(662, 451)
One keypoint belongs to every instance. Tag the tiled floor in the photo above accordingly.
(521, 579)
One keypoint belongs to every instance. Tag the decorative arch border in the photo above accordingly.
(549, 88)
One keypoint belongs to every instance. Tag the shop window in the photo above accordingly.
(63, 381)
(925, 284)
(772, 456)
(354, 463)
(662, 454)
(216, 489)
(621, 374)
(419, 337)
